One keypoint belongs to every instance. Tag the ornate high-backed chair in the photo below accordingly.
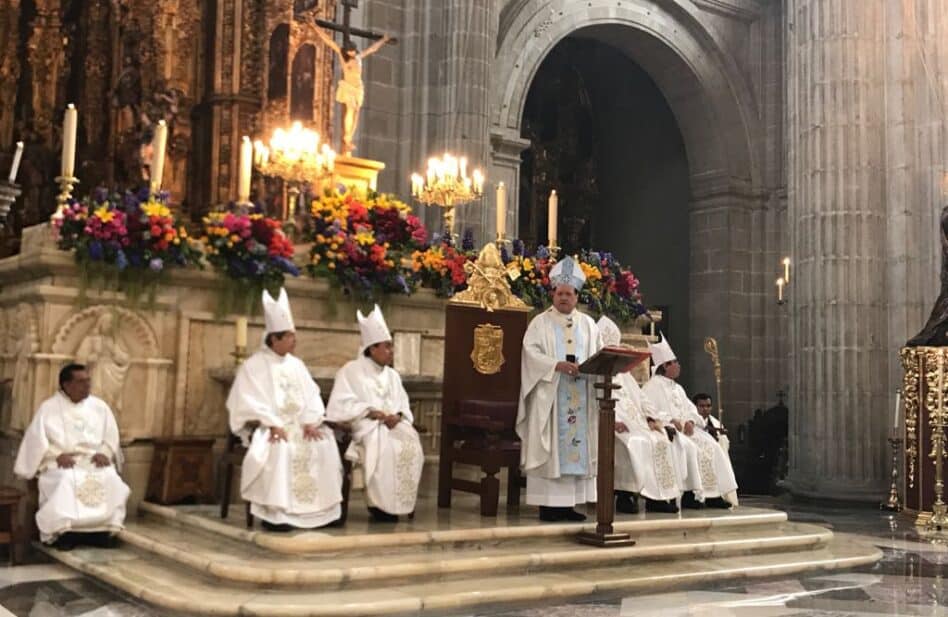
(484, 328)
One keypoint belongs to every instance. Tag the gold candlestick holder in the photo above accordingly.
(894, 503)
(66, 184)
(501, 241)
(554, 252)
(239, 354)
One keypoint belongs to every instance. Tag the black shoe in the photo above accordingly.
(100, 539)
(549, 514)
(381, 516)
(688, 500)
(626, 502)
(336, 524)
(65, 542)
(717, 502)
(569, 514)
(277, 527)
(653, 505)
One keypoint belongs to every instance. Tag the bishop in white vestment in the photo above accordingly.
(368, 395)
(558, 419)
(643, 457)
(72, 444)
(710, 477)
(292, 473)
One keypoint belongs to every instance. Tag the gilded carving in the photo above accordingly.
(487, 285)
(910, 385)
(488, 352)
(9, 67)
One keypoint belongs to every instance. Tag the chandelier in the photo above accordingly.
(295, 155)
(446, 184)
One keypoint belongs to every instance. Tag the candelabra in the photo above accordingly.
(894, 503)
(239, 354)
(297, 157)
(446, 184)
(8, 194)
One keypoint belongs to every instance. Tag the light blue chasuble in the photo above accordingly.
(571, 395)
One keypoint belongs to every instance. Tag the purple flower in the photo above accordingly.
(121, 260)
(95, 250)
(156, 264)
(518, 247)
(543, 252)
(100, 195)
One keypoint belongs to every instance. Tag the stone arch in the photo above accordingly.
(711, 100)
(134, 325)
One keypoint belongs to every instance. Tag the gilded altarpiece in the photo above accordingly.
(213, 70)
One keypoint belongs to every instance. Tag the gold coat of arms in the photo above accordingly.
(488, 352)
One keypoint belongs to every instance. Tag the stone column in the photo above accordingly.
(835, 116)
(464, 71)
(506, 150)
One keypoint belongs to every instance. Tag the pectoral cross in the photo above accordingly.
(346, 28)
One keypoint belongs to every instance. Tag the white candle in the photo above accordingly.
(786, 270)
(501, 209)
(158, 155)
(70, 122)
(898, 401)
(553, 213)
(780, 284)
(246, 169)
(417, 182)
(241, 334)
(15, 167)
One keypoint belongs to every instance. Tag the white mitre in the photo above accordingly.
(661, 352)
(567, 272)
(373, 328)
(611, 335)
(276, 313)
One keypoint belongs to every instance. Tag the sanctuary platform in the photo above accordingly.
(442, 562)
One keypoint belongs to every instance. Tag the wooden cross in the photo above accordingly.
(346, 28)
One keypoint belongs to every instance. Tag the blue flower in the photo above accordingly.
(287, 266)
(95, 250)
(467, 240)
(156, 264)
(403, 283)
(121, 260)
(543, 252)
(518, 247)
(594, 256)
(504, 255)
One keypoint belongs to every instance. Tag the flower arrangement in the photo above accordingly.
(529, 275)
(361, 240)
(441, 267)
(130, 238)
(611, 288)
(252, 252)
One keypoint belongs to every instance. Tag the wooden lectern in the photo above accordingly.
(607, 363)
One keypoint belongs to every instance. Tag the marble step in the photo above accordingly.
(240, 561)
(446, 527)
(173, 587)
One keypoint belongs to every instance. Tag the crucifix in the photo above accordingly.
(350, 90)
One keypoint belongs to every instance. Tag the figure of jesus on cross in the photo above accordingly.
(350, 91)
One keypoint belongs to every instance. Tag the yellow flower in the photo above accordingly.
(332, 265)
(104, 215)
(528, 264)
(153, 208)
(592, 272)
(365, 237)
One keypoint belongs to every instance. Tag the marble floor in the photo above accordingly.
(908, 581)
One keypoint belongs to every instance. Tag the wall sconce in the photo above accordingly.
(781, 282)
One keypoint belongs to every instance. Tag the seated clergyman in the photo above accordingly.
(72, 444)
(643, 455)
(712, 425)
(368, 395)
(292, 473)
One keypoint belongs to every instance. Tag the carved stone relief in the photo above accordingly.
(27, 344)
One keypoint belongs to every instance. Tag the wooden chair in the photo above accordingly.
(481, 433)
(10, 507)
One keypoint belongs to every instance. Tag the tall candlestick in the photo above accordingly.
(246, 169)
(780, 284)
(553, 211)
(501, 210)
(70, 122)
(158, 155)
(786, 270)
(15, 167)
(241, 333)
(898, 401)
